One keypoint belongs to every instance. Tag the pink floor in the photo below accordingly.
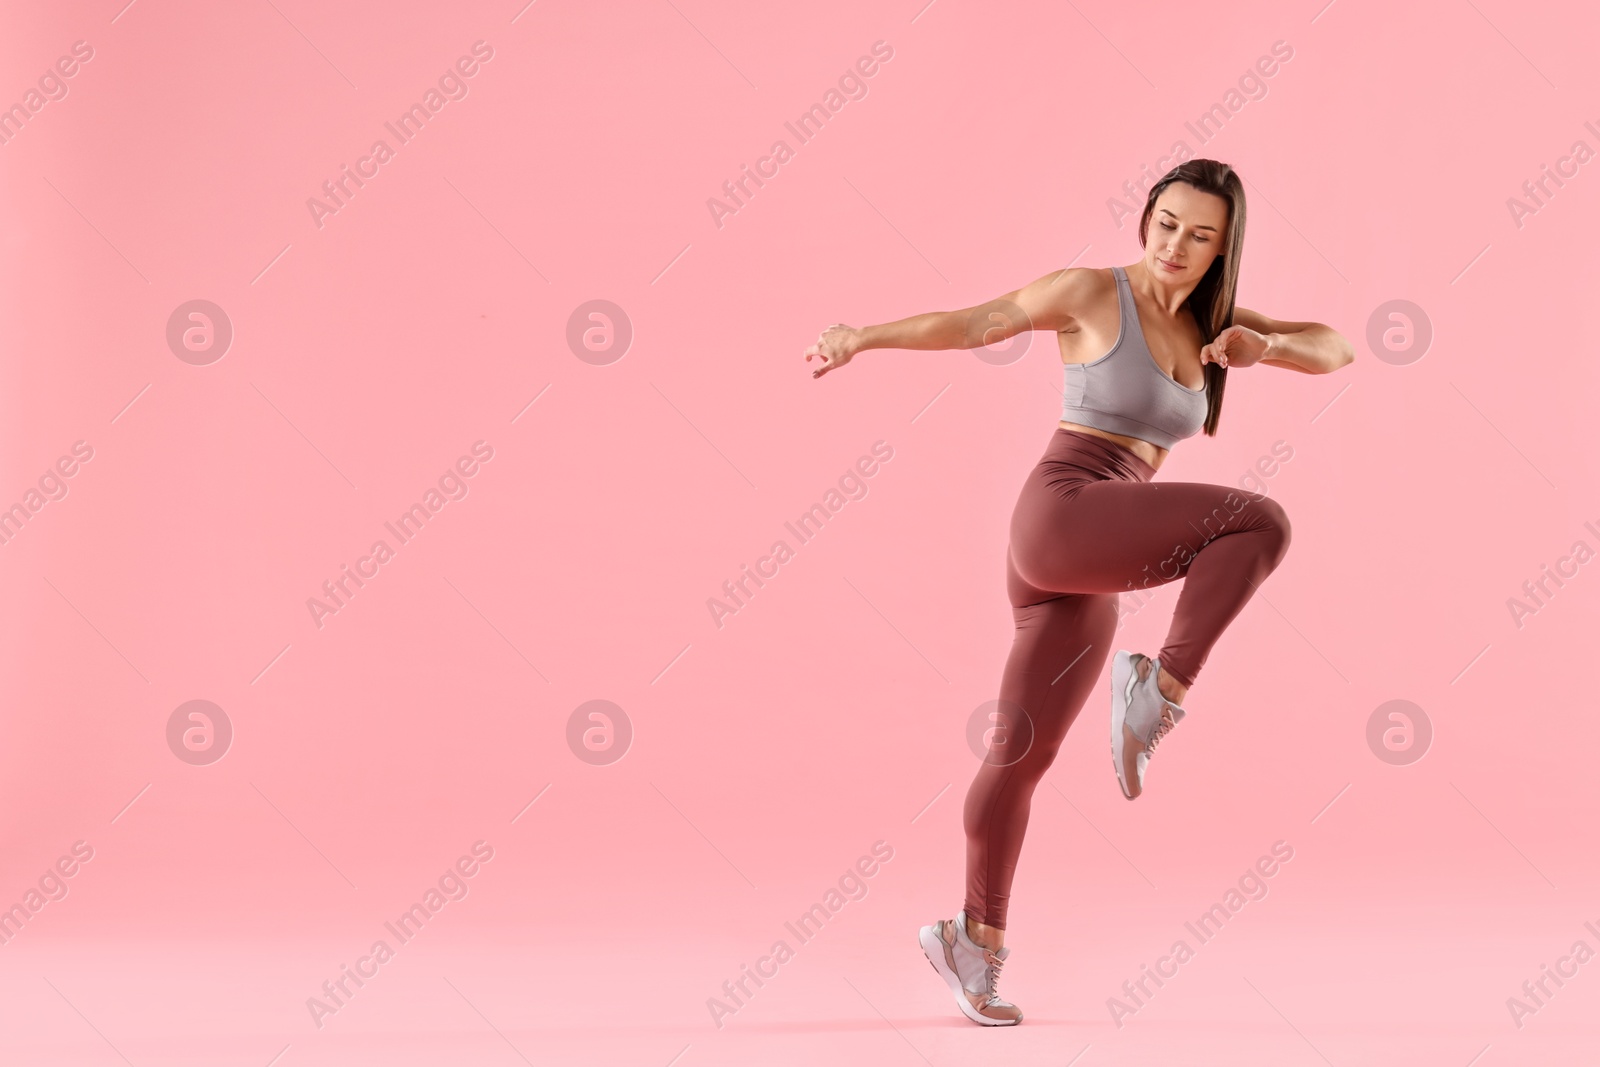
(1362, 948)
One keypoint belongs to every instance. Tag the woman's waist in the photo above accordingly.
(1072, 445)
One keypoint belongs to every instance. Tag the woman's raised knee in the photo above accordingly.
(1275, 523)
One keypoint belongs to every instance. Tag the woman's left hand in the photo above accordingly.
(1236, 346)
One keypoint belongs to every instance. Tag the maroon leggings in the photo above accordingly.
(1090, 524)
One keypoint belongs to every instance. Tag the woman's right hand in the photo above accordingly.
(835, 346)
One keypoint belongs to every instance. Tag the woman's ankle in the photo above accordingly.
(1170, 687)
(992, 938)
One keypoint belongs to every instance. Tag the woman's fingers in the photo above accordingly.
(823, 350)
(1214, 353)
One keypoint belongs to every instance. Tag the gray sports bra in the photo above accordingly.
(1125, 391)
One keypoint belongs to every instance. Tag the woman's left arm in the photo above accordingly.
(1307, 347)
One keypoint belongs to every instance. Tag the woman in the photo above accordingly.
(1146, 351)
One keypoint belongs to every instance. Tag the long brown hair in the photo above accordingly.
(1211, 302)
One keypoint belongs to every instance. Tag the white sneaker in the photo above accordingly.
(1140, 717)
(970, 970)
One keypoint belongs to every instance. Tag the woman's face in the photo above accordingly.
(1188, 229)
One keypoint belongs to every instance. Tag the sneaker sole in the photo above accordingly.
(933, 948)
(1123, 678)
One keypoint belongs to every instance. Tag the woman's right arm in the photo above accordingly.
(932, 330)
(1040, 305)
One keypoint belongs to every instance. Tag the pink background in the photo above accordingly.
(767, 755)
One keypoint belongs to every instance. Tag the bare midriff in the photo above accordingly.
(1150, 453)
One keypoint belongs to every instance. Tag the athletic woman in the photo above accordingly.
(1146, 350)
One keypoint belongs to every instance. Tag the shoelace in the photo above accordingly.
(1167, 722)
(995, 963)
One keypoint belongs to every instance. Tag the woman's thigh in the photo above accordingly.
(1112, 536)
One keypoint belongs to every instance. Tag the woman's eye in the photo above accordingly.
(1198, 239)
